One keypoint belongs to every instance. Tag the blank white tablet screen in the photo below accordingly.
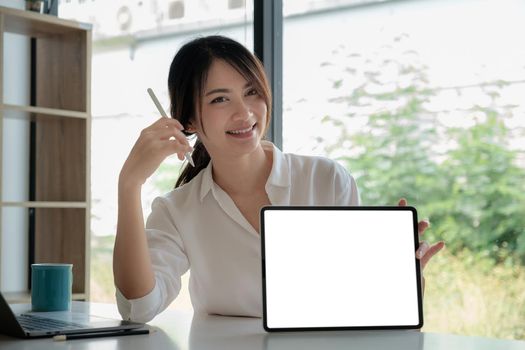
(340, 268)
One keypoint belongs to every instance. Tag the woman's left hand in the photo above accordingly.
(425, 251)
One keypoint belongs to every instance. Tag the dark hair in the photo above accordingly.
(186, 80)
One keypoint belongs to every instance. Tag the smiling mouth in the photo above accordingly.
(242, 131)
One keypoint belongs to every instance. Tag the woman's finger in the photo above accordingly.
(172, 146)
(167, 123)
(163, 123)
(422, 226)
(422, 249)
(402, 202)
(433, 250)
(170, 133)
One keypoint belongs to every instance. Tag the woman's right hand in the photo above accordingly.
(155, 143)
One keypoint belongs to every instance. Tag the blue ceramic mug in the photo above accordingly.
(51, 287)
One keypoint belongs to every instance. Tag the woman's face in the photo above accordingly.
(233, 113)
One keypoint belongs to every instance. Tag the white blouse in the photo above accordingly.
(198, 226)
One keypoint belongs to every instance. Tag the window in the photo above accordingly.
(424, 99)
(420, 99)
(126, 61)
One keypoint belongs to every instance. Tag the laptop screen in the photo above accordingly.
(340, 268)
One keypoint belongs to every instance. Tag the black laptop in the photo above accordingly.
(23, 323)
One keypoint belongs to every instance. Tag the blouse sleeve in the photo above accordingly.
(345, 186)
(169, 262)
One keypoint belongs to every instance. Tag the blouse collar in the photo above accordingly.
(279, 175)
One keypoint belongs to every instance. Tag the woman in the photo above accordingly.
(218, 92)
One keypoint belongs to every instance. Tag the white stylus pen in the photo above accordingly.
(163, 113)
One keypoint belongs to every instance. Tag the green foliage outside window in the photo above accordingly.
(466, 180)
(464, 176)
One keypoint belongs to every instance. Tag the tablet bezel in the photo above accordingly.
(359, 208)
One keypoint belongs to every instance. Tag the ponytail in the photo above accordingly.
(200, 157)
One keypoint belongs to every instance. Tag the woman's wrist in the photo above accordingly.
(126, 185)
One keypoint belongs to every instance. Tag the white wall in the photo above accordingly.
(15, 158)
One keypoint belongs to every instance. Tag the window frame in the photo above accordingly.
(268, 47)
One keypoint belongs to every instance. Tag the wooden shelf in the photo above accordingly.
(50, 205)
(37, 25)
(43, 111)
(45, 146)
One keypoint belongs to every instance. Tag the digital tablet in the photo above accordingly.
(340, 268)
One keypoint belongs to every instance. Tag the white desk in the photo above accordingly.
(178, 330)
